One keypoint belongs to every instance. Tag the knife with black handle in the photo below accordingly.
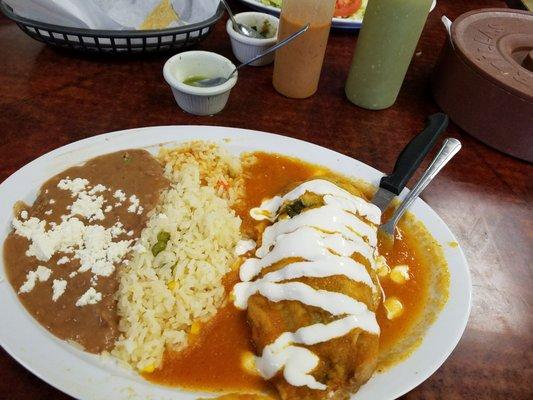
(409, 160)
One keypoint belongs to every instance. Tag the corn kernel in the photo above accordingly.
(394, 307)
(248, 362)
(148, 369)
(195, 328)
(383, 268)
(400, 274)
(171, 285)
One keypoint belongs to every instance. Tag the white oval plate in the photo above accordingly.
(339, 23)
(87, 376)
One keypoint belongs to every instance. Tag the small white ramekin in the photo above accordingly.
(246, 48)
(199, 100)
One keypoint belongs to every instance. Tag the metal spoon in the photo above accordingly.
(386, 231)
(241, 28)
(219, 81)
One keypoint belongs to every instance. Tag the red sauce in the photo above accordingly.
(270, 175)
(213, 360)
(412, 293)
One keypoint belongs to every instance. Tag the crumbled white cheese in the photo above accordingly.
(24, 214)
(52, 201)
(134, 204)
(119, 195)
(116, 229)
(48, 212)
(91, 296)
(41, 273)
(99, 252)
(63, 260)
(97, 189)
(118, 204)
(115, 252)
(93, 245)
(26, 228)
(58, 286)
(73, 185)
(140, 210)
(89, 207)
(44, 244)
(139, 248)
(97, 248)
(73, 274)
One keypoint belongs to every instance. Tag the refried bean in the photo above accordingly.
(93, 326)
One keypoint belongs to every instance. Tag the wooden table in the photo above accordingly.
(50, 98)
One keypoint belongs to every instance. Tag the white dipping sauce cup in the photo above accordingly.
(246, 48)
(199, 100)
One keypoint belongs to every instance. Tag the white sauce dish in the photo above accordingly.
(246, 48)
(199, 64)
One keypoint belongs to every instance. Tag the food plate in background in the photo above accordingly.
(351, 23)
(87, 376)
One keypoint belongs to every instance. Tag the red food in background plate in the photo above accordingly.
(346, 8)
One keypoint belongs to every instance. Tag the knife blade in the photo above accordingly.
(409, 160)
(382, 198)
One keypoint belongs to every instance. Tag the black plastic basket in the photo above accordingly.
(117, 42)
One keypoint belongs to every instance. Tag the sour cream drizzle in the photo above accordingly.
(299, 361)
(326, 218)
(332, 302)
(331, 266)
(310, 244)
(322, 240)
(244, 246)
(332, 195)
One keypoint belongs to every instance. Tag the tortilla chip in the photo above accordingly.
(160, 17)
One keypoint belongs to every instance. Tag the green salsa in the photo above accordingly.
(193, 80)
(264, 30)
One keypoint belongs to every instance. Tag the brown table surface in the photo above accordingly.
(50, 98)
